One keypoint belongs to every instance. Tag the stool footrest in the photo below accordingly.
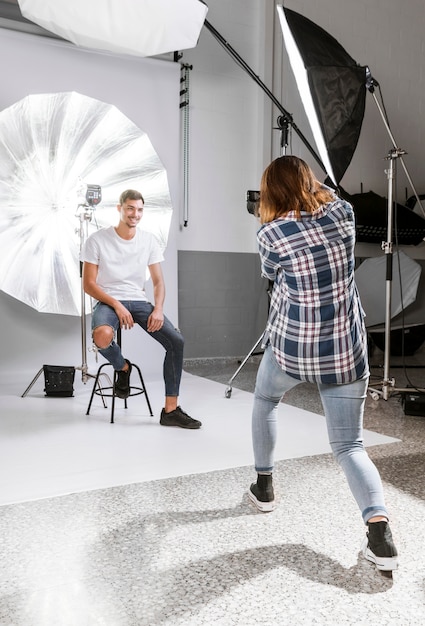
(109, 390)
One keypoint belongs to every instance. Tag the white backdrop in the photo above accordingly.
(147, 92)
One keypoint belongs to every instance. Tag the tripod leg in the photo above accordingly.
(32, 383)
(228, 391)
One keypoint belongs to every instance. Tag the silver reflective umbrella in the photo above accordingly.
(51, 147)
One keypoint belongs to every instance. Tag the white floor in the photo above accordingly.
(50, 447)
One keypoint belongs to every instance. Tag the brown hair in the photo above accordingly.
(288, 184)
(131, 194)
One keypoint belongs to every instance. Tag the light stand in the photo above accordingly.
(84, 214)
(388, 384)
(387, 247)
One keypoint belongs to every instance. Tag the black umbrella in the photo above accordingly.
(332, 87)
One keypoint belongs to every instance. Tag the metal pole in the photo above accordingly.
(387, 246)
(393, 141)
(85, 215)
(266, 90)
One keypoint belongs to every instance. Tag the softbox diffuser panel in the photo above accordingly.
(142, 28)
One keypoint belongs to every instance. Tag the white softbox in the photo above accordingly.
(137, 27)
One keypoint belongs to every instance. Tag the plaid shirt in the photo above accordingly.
(315, 323)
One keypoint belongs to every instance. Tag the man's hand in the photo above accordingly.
(155, 320)
(124, 316)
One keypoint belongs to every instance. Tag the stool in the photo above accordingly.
(109, 391)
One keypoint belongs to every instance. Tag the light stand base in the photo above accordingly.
(385, 392)
(388, 388)
(32, 383)
(85, 377)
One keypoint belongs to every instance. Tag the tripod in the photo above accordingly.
(252, 352)
(228, 391)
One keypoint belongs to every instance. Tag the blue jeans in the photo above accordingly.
(168, 336)
(343, 406)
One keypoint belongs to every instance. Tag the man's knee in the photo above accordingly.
(103, 336)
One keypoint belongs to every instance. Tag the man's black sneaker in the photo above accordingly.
(378, 546)
(122, 383)
(178, 418)
(261, 493)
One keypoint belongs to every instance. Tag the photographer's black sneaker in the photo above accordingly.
(178, 418)
(261, 493)
(378, 546)
(122, 383)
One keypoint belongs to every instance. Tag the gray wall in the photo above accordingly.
(223, 302)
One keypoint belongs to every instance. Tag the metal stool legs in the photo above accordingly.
(109, 390)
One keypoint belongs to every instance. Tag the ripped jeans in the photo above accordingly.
(168, 336)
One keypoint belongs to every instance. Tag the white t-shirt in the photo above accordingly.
(122, 263)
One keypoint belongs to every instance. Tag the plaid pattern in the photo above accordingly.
(315, 323)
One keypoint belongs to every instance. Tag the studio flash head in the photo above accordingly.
(253, 202)
(93, 195)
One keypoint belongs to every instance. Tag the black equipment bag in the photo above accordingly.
(59, 381)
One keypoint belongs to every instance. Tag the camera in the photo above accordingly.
(253, 202)
(93, 195)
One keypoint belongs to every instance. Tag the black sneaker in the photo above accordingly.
(261, 493)
(178, 418)
(378, 546)
(122, 383)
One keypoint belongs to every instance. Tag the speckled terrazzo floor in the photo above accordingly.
(192, 551)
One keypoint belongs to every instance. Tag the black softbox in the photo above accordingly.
(332, 87)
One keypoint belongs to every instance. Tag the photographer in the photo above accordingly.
(315, 333)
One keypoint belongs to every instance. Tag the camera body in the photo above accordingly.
(253, 202)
